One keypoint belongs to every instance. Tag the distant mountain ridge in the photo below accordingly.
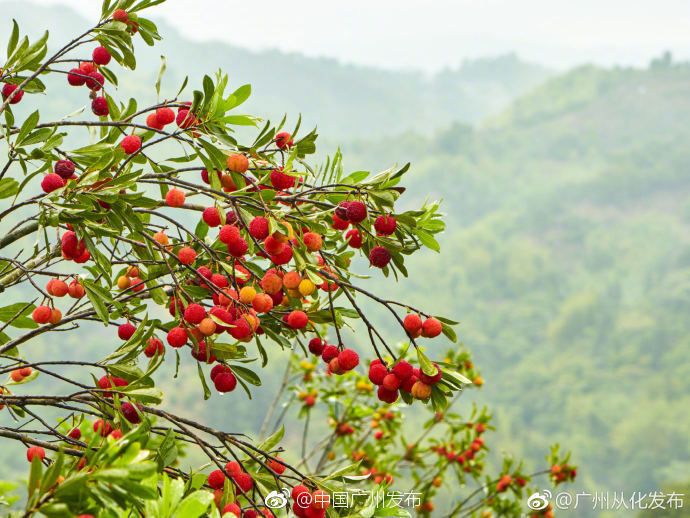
(377, 102)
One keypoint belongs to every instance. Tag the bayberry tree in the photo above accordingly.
(250, 249)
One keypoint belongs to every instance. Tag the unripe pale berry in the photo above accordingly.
(238, 163)
(41, 315)
(312, 241)
(174, 198)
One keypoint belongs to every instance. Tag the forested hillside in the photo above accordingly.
(569, 225)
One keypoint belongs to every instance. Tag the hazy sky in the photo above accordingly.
(435, 33)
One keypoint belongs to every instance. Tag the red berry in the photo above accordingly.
(95, 81)
(51, 182)
(316, 346)
(186, 255)
(284, 256)
(99, 107)
(35, 451)
(120, 15)
(258, 227)
(387, 396)
(211, 216)
(402, 370)
(348, 359)
(76, 77)
(430, 380)
(276, 466)
(228, 234)
(320, 499)
(204, 175)
(329, 352)
(385, 225)
(75, 434)
(194, 313)
(273, 246)
(431, 328)
(413, 325)
(174, 198)
(185, 119)
(202, 354)
(379, 257)
(233, 468)
(165, 115)
(244, 481)
(101, 56)
(377, 372)
(391, 382)
(177, 337)
(7, 90)
(354, 238)
(283, 140)
(225, 382)
(130, 413)
(356, 211)
(238, 247)
(298, 490)
(339, 223)
(153, 122)
(154, 347)
(297, 319)
(130, 144)
(125, 331)
(64, 168)
(216, 479)
(281, 180)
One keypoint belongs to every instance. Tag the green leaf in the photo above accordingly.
(27, 127)
(96, 300)
(273, 440)
(8, 187)
(14, 39)
(207, 391)
(427, 366)
(194, 505)
(427, 240)
(160, 75)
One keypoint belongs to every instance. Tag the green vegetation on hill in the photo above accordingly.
(567, 260)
